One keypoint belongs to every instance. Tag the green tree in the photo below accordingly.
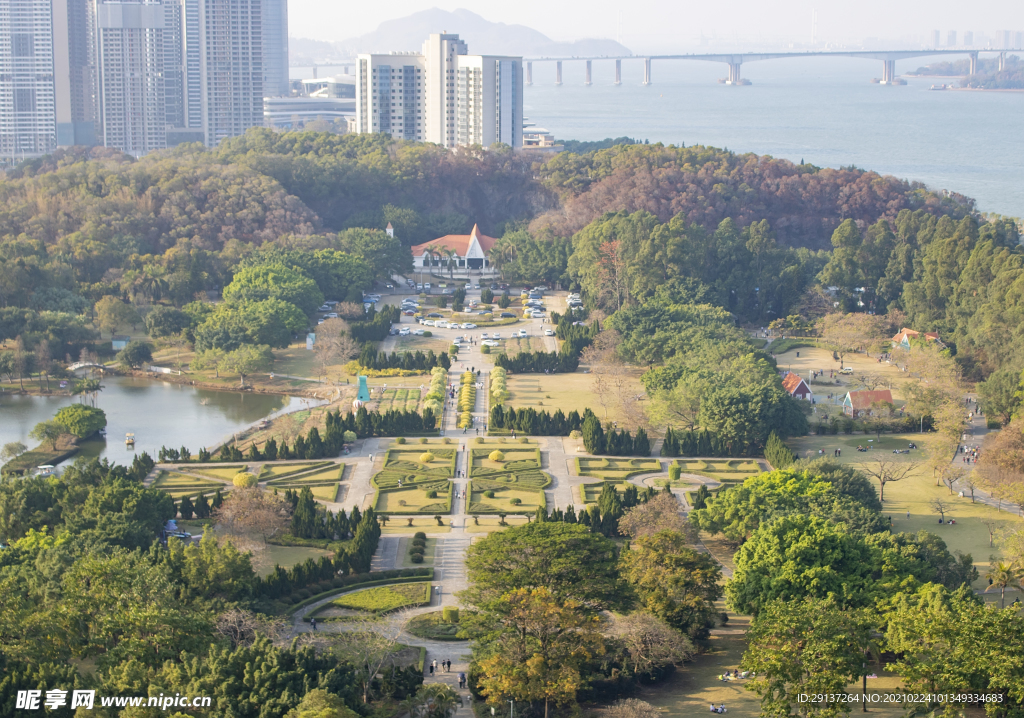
(166, 321)
(80, 420)
(1003, 575)
(48, 432)
(543, 555)
(1000, 394)
(794, 557)
(275, 281)
(113, 314)
(674, 582)
(384, 255)
(248, 359)
(806, 647)
(12, 450)
(319, 703)
(135, 354)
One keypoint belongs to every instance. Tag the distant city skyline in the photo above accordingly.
(657, 26)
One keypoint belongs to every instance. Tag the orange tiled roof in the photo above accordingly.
(862, 400)
(460, 243)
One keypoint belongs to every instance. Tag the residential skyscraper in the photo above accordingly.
(74, 72)
(130, 52)
(27, 118)
(275, 48)
(174, 63)
(193, 83)
(230, 67)
(443, 95)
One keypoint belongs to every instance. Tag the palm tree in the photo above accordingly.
(1003, 575)
(453, 257)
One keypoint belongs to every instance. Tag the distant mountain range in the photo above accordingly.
(482, 36)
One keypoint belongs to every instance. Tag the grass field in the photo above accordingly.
(615, 469)
(414, 500)
(490, 524)
(727, 471)
(179, 485)
(273, 472)
(504, 494)
(518, 457)
(916, 493)
(513, 346)
(381, 599)
(399, 400)
(438, 342)
(224, 473)
(566, 392)
(288, 556)
(818, 359)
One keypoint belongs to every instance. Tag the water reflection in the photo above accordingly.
(158, 413)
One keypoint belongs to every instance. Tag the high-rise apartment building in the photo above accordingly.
(389, 95)
(951, 38)
(27, 118)
(936, 38)
(192, 79)
(130, 54)
(174, 63)
(275, 48)
(230, 67)
(968, 38)
(74, 72)
(489, 101)
(442, 95)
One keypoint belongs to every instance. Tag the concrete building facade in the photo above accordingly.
(442, 95)
(74, 72)
(230, 67)
(27, 100)
(275, 48)
(130, 52)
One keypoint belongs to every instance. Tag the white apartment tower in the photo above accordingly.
(130, 51)
(489, 98)
(442, 53)
(74, 72)
(442, 95)
(230, 67)
(275, 48)
(27, 118)
(389, 95)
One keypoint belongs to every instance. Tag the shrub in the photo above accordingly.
(420, 535)
(446, 440)
(453, 350)
(485, 349)
(428, 333)
(416, 557)
(489, 494)
(400, 440)
(515, 501)
(423, 440)
(524, 440)
(432, 494)
(576, 434)
(244, 480)
(419, 542)
(478, 440)
(496, 456)
(349, 436)
(674, 472)
(426, 457)
(450, 614)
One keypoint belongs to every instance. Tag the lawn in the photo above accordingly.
(515, 345)
(224, 473)
(413, 343)
(726, 471)
(400, 525)
(567, 392)
(413, 499)
(179, 485)
(518, 458)
(615, 469)
(403, 483)
(530, 499)
(381, 599)
(288, 556)
(399, 400)
(331, 473)
(490, 524)
(431, 627)
(819, 359)
(916, 493)
(275, 472)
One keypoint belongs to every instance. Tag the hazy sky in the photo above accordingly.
(657, 25)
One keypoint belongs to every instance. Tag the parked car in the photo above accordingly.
(496, 335)
(419, 287)
(389, 285)
(485, 335)
(435, 315)
(549, 332)
(404, 332)
(846, 370)
(469, 325)
(508, 315)
(427, 286)
(490, 343)
(522, 334)
(418, 332)
(476, 286)
(332, 315)
(409, 312)
(324, 308)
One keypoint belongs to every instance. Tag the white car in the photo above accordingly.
(427, 286)
(444, 325)
(496, 335)
(549, 332)
(427, 322)
(418, 332)
(404, 332)
(468, 325)
(332, 315)
(490, 343)
(522, 333)
(485, 335)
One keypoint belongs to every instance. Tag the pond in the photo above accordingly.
(158, 413)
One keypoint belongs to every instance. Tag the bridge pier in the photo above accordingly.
(974, 63)
(734, 73)
(1002, 61)
(618, 72)
(558, 72)
(529, 73)
(587, 81)
(647, 71)
(888, 71)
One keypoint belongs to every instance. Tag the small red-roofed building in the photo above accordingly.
(470, 250)
(796, 386)
(905, 336)
(860, 402)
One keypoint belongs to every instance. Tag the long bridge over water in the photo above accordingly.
(735, 61)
